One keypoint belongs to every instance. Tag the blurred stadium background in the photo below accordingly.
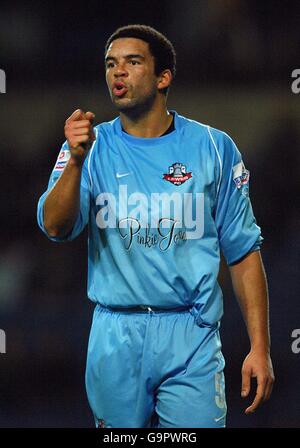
(235, 59)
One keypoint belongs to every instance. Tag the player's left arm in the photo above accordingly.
(250, 286)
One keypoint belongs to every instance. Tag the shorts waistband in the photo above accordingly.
(146, 309)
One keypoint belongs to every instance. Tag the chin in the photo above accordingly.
(123, 103)
(134, 107)
(126, 106)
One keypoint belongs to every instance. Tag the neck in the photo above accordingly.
(149, 123)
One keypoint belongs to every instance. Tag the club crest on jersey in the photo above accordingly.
(177, 174)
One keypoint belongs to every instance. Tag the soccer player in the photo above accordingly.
(162, 195)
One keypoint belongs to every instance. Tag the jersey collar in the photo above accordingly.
(147, 141)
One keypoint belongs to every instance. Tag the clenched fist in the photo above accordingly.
(79, 133)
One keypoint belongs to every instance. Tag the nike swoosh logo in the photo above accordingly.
(220, 418)
(118, 175)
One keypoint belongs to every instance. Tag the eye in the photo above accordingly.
(134, 62)
(109, 65)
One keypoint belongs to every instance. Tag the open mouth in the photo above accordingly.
(119, 89)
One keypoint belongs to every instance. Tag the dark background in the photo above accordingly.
(235, 59)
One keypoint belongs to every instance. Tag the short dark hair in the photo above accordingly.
(160, 47)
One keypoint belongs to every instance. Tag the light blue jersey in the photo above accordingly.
(159, 212)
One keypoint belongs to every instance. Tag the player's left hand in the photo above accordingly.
(257, 364)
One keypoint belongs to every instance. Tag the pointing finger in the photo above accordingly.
(78, 114)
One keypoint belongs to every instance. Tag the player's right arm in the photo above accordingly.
(62, 204)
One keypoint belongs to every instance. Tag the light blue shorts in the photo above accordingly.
(158, 370)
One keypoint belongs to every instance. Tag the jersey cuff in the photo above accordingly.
(248, 249)
(40, 220)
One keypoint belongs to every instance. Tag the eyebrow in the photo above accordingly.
(128, 56)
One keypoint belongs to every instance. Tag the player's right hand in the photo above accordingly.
(79, 133)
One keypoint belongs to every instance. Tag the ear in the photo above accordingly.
(164, 79)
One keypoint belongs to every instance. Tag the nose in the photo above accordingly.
(120, 71)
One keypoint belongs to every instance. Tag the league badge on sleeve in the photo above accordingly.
(177, 174)
(241, 178)
(62, 159)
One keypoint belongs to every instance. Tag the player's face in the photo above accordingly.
(130, 74)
